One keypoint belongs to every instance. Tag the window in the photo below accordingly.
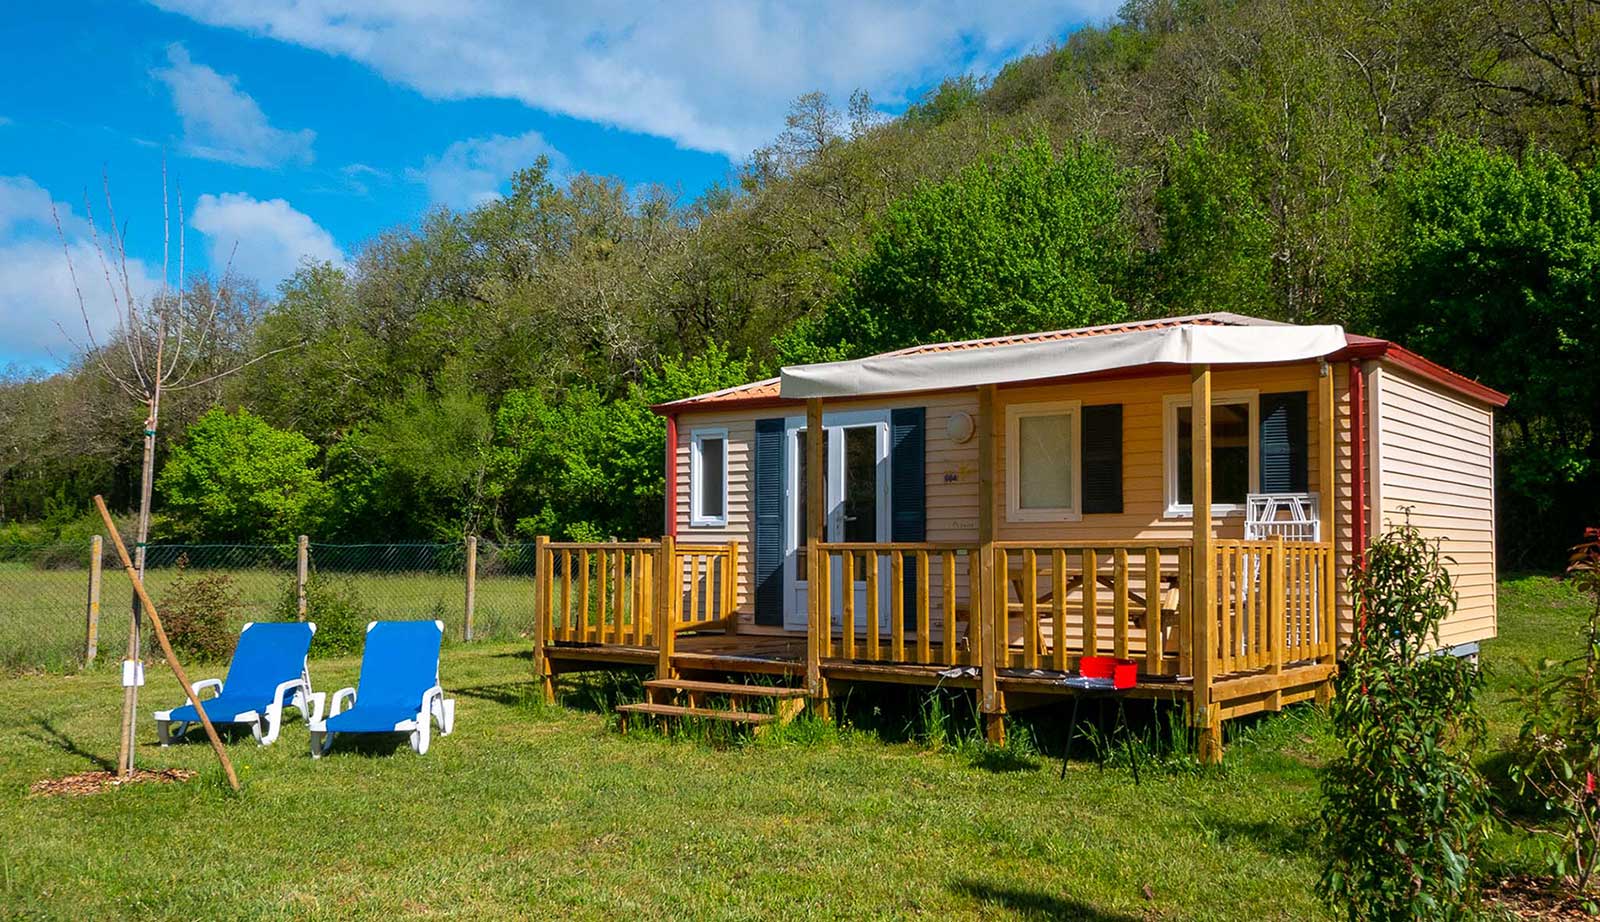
(1042, 475)
(1234, 471)
(708, 477)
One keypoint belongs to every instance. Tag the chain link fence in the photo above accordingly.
(46, 596)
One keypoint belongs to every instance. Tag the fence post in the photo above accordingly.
(91, 643)
(472, 584)
(302, 567)
(730, 589)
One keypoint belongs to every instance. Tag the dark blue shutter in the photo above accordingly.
(1102, 459)
(1283, 443)
(908, 490)
(769, 487)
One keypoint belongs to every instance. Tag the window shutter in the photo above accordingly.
(908, 489)
(769, 486)
(1283, 443)
(1102, 459)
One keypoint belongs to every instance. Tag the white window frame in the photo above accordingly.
(697, 518)
(1015, 412)
(1169, 453)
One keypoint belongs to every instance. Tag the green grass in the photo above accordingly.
(530, 811)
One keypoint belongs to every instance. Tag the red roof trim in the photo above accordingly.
(1367, 347)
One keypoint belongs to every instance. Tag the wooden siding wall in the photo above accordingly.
(952, 469)
(1434, 453)
(952, 481)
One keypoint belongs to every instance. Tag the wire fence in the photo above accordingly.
(46, 596)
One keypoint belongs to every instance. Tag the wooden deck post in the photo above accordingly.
(817, 605)
(730, 589)
(988, 626)
(91, 638)
(669, 604)
(1328, 598)
(542, 582)
(1204, 579)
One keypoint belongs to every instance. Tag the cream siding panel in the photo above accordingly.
(1435, 457)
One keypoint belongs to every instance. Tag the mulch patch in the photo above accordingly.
(1524, 897)
(94, 782)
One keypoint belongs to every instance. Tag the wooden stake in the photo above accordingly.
(166, 647)
(472, 584)
(91, 641)
(301, 572)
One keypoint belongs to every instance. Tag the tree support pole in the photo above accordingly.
(166, 647)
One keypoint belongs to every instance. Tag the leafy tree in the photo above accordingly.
(1403, 813)
(1496, 274)
(581, 467)
(233, 477)
(1216, 242)
(1026, 240)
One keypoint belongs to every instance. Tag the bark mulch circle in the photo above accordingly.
(1524, 897)
(94, 782)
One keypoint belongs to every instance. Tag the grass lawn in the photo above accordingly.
(530, 811)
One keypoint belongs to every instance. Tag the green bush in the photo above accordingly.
(1404, 813)
(334, 606)
(198, 615)
(1556, 758)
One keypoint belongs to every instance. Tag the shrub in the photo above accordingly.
(1556, 759)
(337, 610)
(1404, 812)
(198, 614)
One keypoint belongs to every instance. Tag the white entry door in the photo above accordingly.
(856, 471)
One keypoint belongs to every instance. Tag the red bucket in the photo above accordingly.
(1123, 673)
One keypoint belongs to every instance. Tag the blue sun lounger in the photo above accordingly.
(399, 688)
(267, 674)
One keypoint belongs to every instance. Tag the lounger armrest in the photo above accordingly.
(435, 706)
(339, 698)
(283, 696)
(214, 684)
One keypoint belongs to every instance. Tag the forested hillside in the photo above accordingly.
(1422, 170)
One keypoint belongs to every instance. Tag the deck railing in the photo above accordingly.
(1067, 599)
(1272, 603)
(620, 593)
(906, 602)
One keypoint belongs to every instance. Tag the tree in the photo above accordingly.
(1495, 272)
(1026, 240)
(162, 344)
(233, 477)
(1216, 242)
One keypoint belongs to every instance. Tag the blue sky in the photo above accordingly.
(300, 128)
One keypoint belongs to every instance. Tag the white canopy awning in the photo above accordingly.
(1185, 344)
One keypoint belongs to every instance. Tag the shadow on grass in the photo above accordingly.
(369, 745)
(510, 694)
(51, 736)
(1036, 904)
(1003, 760)
(1284, 837)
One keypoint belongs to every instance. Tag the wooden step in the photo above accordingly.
(673, 710)
(733, 689)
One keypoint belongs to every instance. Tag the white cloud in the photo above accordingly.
(471, 172)
(265, 240)
(222, 122)
(40, 319)
(714, 75)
